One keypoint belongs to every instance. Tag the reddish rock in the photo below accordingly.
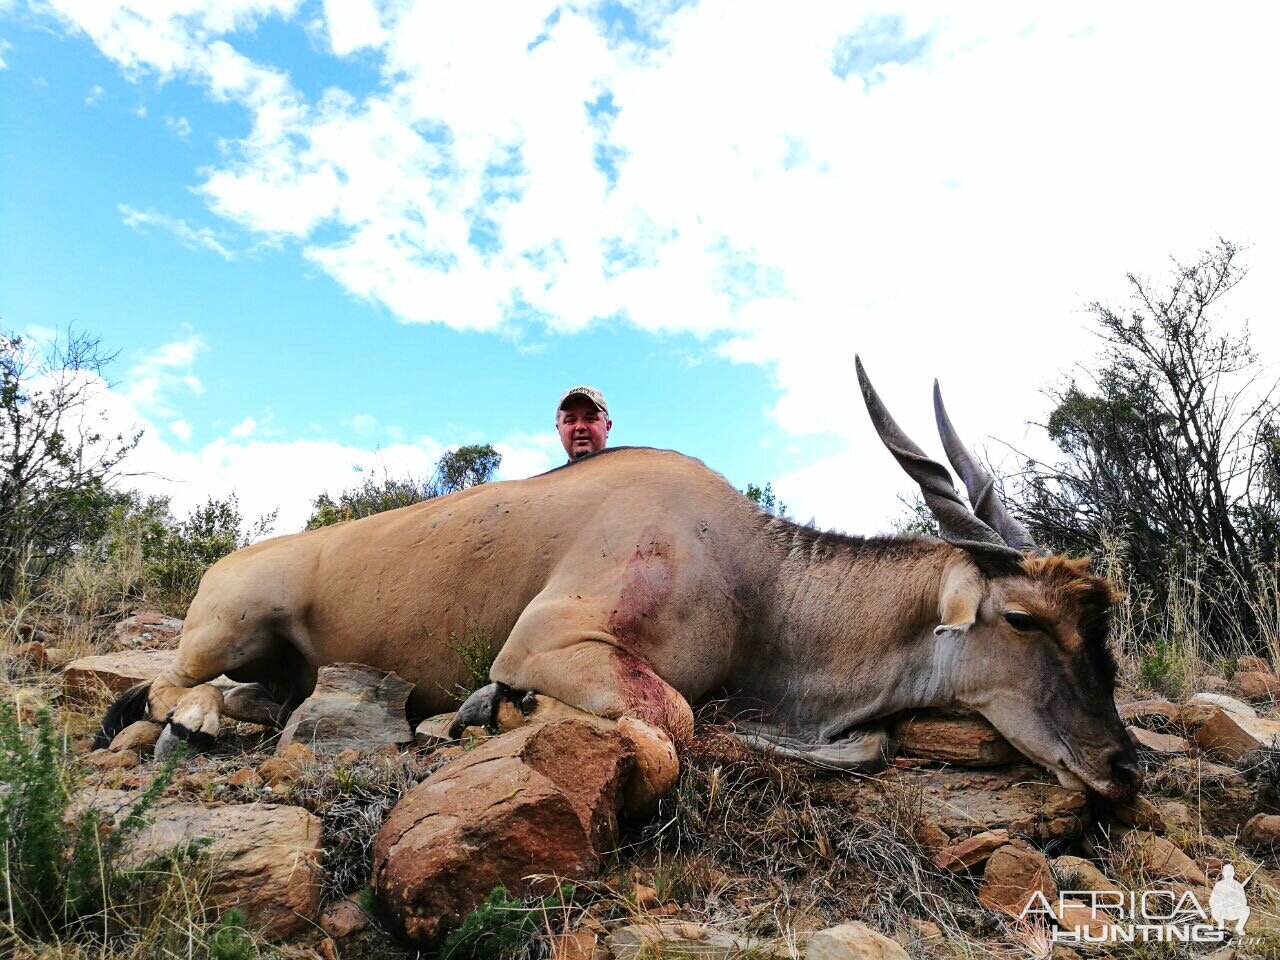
(147, 629)
(1014, 874)
(140, 736)
(1017, 798)
(853, 941)
(106, 676)
(1253, 665)
(279, 771)
(1229, 736)
(31, 654)
(970, 852)
(266, 857)
(1262, 830)
(243, 778)
(962, 739)
(1077, 873)
(1257, 686)
(1162, 858)
(543, 799)
(1138, 812)
(931, 837)
(343, 918)
(113, 759)
(1200, 770)
(1085, 921)
(1158, 742)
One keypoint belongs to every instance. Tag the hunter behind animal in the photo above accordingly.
(633, 582)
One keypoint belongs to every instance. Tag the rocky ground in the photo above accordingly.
(350, 835)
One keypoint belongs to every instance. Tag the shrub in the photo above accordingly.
(54, 874)
(501, 927)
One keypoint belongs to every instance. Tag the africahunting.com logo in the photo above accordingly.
(1129, 916)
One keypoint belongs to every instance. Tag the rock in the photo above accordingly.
(266, 856)
(1201, 770)
(1016, 798)
(853, 941)
(1215, 684)
(1253, 665)
(279, 771)
(971, 852)
(1014, 874)
(1262, 830)
(924, 931)
(646, 940)
(1149, 713)
(930, 836)
(353, 705)
(1162, 858)
(244, 778)
(139, 736)
(1077, 873)
(580, 944)
(1257, 686)
(113, 760)
(1203, 705)
(1138, 812)
(343, 918)
(107, 675)
(1175, 815)
(1076, 915)
(542, 799)
(1158, 742)
(645, 896)
(962, 739)
(56, 657)
(31, 654)
(147, 629)
(1229, 736)
(433, 731)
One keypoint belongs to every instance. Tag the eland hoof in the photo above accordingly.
(484, 709)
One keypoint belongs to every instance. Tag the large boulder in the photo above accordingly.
(1017, 798)
(265, 857)
(353, 705)
(105, 676)
(853, 941)
(959, 738)
(540, 800)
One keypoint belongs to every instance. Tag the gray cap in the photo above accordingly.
(591, 393)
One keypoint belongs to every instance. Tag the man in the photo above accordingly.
(582, 420)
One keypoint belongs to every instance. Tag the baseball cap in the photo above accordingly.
(591, 393)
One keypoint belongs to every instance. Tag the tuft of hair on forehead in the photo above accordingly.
(1071, 578)
(1071, 583)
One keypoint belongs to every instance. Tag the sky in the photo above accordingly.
(332, 239)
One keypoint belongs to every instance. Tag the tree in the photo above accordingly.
(766, 499)
(458, 469)
(1174, 447)
(56, 462)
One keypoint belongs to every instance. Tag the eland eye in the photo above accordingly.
(1022, 621)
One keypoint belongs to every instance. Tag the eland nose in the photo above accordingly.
(1126, 773)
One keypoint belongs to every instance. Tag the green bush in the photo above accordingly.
(1163, 668)
(56, 871)
(458, 469)
(500, 927)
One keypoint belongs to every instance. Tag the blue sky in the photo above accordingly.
(323, 235)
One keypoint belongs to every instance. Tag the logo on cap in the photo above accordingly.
(591, 393)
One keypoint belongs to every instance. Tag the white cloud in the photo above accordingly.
(352, 25)
(140, 111)
(95, 94)
(180, 127)
(5, 47)
(244, 428)
(152, 382)
(181, 429)
(362, 423)
(191, 237)
(939, 189)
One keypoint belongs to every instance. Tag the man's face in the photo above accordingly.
(583, 428)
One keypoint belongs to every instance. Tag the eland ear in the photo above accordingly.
(963, 586)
